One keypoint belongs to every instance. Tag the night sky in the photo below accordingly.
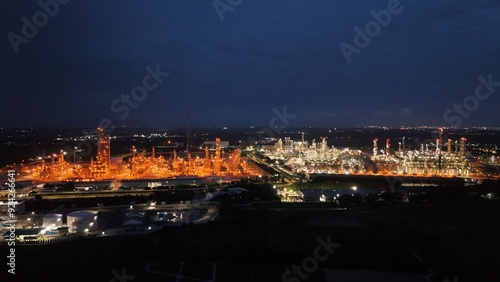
(263, 54)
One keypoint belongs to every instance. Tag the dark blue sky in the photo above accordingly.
(265, 54)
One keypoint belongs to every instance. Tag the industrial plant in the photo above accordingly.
(140, 164)
(424, 160)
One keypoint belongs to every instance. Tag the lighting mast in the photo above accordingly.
(187, 133)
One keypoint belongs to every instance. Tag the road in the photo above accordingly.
(289, 176)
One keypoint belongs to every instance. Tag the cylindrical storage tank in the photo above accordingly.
(82, 221)
(52, 220)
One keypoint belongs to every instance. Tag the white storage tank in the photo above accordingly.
(82, 221)
(52, 220)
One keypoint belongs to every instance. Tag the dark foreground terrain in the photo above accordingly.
(434, 241)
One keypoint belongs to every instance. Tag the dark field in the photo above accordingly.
(259, 243)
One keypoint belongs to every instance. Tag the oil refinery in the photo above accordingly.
(140, 164)
(426, 160)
